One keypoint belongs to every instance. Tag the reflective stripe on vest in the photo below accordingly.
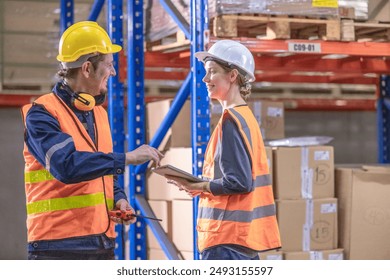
(262, 181)
(67, 203)
(237, 215)
(37, 176)
(54, 149)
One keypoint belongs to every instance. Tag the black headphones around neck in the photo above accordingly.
(84, 101)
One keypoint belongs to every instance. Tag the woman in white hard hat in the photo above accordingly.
(237, 216)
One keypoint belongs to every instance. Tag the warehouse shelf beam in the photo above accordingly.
(176, 106)
(96, 9)
(171, 9)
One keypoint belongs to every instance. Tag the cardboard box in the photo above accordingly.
(364, 211)
(163, 210)
(157, 186)
(307, 224)
(271, 255)
(183, 226)
(270, 116)
(337, 254)
(179, 135)
(303, 172)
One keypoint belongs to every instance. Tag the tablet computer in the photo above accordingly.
(174, 171)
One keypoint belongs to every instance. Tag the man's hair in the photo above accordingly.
(71, 73)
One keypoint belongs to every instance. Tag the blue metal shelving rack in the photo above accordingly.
(200, 114)
(383, 118)
(115, 99)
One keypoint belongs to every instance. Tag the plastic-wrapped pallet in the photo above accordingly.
(224, 7)
(313, 8)
(162, 25)
(360, 7)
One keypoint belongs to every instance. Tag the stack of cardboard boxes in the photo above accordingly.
(307, 209)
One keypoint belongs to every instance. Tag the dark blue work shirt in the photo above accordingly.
(71, 166)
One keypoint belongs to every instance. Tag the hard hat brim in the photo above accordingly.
(114, 49)
(201, 56)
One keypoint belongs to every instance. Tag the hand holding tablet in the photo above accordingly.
(174, 171)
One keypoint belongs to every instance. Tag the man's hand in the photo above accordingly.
(143, 154)
(123, 206)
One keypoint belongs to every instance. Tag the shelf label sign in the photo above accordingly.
(304, 47)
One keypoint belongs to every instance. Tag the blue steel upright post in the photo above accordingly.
(200, 114)
(116, 107)
(66, 14)
(383, 118)
(136, 117)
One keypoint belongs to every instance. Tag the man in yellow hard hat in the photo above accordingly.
(70, 166)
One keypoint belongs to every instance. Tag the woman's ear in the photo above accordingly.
(233, 75)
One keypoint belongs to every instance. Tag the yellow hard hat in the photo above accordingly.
(84, 37)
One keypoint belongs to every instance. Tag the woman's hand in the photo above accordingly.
(191, 188)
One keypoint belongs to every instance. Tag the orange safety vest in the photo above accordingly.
(56, 210)
(243, 219)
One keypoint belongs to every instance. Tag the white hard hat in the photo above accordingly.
(233, 53)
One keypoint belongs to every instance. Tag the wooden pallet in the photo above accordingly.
(276, 27)
(175, 42)
(364, 31)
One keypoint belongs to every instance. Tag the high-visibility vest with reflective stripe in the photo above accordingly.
(243, 219)
(56, 210)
